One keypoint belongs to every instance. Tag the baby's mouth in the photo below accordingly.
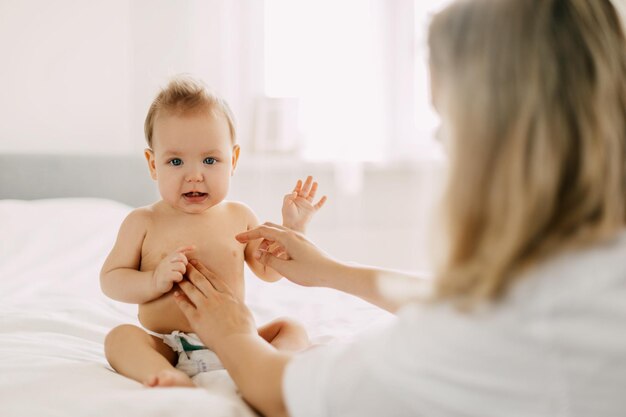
(193, 194)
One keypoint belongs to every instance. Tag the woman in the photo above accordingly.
(527, 314)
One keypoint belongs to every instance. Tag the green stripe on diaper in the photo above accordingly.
(188, 347)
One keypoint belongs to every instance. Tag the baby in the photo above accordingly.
(192, 155)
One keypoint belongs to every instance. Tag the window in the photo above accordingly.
(354, 72)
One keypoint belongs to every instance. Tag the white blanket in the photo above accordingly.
(53, 319)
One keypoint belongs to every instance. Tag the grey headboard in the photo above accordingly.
(121, 178)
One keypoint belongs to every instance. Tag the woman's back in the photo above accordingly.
(554, 346)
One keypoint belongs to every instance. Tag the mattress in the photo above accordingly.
(54, 317)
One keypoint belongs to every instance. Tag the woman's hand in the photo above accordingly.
(291, 254)
(300, 261)
(225, 325)
(211, 308)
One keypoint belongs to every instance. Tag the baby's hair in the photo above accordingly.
(533, 93)
(186, 95)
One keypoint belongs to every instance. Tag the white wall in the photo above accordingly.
(64, 77)
(78, 77)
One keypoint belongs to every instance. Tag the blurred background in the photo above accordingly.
(336, 89)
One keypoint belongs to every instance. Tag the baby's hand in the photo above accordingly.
(298, 207)
(171, 269)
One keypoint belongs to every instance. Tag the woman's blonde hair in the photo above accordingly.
(186, 95)
(533, 95)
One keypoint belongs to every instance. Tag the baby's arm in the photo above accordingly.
(298, 209)
(120, 277)
(262, 271)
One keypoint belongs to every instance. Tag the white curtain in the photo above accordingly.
(358, 70)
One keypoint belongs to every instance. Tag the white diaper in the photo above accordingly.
(193, 356)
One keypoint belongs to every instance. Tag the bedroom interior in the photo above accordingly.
(76, 81)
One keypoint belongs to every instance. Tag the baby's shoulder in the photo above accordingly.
(238, 209)
(139, 217)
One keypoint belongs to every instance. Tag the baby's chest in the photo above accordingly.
(215, 245)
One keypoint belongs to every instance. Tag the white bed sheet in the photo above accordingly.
(53, 319)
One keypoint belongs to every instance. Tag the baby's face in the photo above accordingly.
(192, 159)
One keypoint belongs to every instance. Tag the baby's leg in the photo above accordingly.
(285, 334)
(145, 358)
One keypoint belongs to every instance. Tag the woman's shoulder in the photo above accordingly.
(583, 268)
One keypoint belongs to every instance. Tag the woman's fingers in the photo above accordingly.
(184, 304)
(265, 244)
(275, 249)
(277, 262)
(268, 231)
(193, 294)
(197, 271)
(202, 283)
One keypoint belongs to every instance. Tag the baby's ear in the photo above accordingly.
(235, 158)
(149, 154)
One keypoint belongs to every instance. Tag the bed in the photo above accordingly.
(53, 316)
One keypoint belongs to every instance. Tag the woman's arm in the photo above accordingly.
(302, 262)
(257, 369)
(384, 288)
(226, 326)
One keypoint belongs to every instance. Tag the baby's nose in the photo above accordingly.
(195, 176)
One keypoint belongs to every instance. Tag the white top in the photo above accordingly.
(556, 347)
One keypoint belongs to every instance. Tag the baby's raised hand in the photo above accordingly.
(298, 207)
(171, 269)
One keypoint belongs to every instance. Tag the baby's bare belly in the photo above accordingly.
(163, 315)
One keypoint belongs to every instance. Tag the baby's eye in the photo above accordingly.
(209, 161)
(176, 162)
